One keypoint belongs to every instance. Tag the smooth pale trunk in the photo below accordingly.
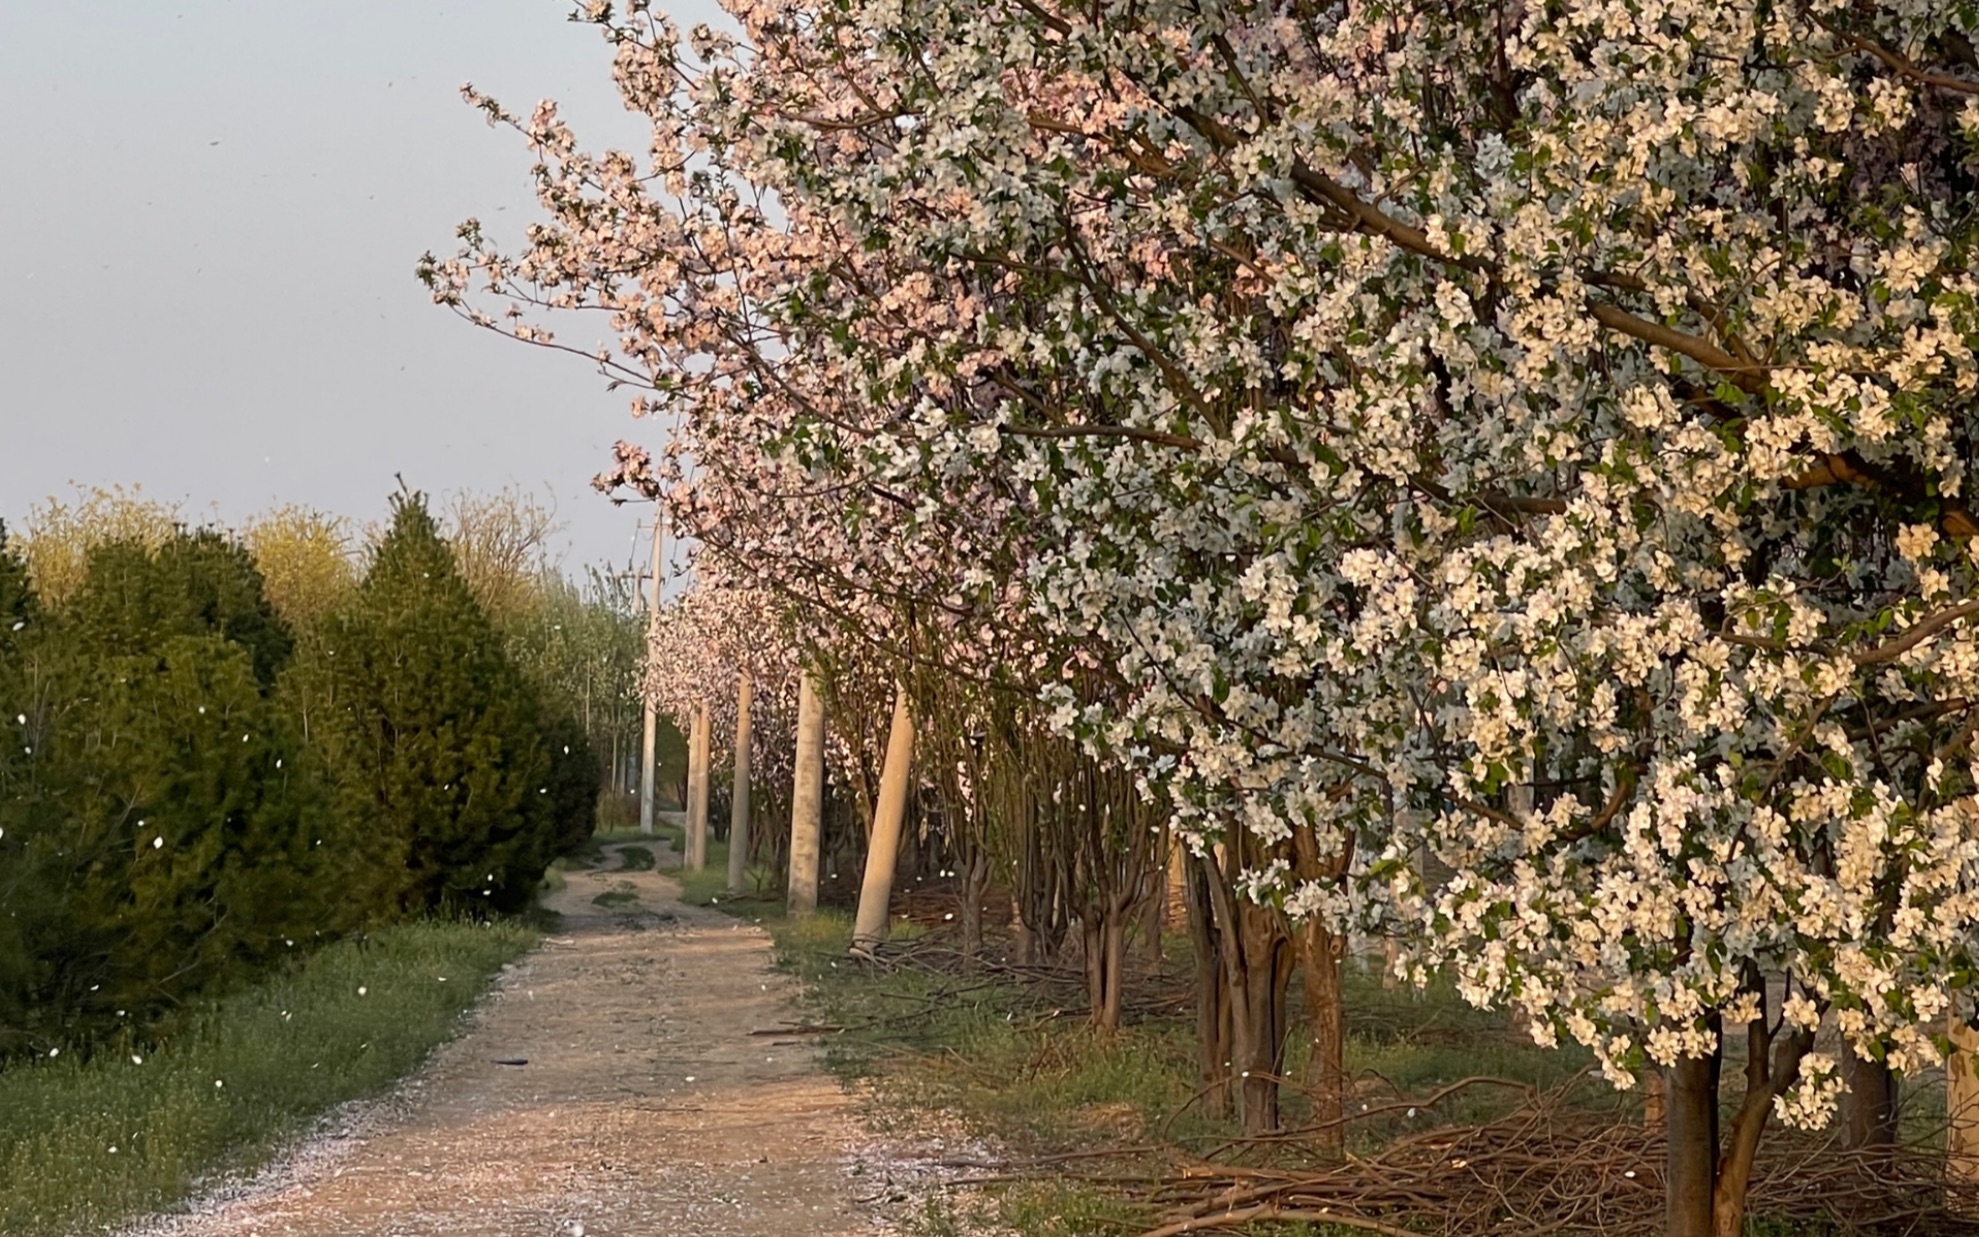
(648, 745)
(738, 818)
(1178, 885)
(649, 776)
(697, 790)
(1962, 1105)
(876, 891)
(807, 799)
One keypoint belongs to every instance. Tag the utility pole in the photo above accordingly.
(649, 743)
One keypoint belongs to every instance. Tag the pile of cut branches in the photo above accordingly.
(1551, 1165)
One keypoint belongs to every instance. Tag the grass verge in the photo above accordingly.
(90, 1144)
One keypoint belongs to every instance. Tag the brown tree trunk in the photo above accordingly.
(1114, 946)
(1153, 910)
(1771, 1067)
(738, 820)
(1103, 939)
(1691, 1105)
(1869, 1107)
(698, 759)
(1260, 1047)
(1706, 1185)
(975, 886)
(1213, 1032)
(1326, 1069)
(1257, 969)
(1178, 884)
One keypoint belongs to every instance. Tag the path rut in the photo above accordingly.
(645, 1107)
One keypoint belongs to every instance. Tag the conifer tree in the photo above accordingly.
(23, 903)
(575, 781)
(165, 838)
(429, 732)
(196, 582)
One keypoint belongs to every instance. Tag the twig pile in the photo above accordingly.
(1551, 1166)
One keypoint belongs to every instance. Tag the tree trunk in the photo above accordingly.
(1153, 910)
(1691, 1105)
(1326, 1069)
(807, 799)
(883, 851)
(1772, 1065)
(697, 789)
(738, 807)
(1869, 1107)
(1105, 940)
(1114, 942)
(1962, 1104)
(1178, 884)
(1213, 1046)
(975, 887)
(1257, 969)
(1706, 1186)
(1260, 1047)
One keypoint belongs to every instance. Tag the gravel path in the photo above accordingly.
(645, 1107)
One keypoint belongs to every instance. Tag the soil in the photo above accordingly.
(646, 1105)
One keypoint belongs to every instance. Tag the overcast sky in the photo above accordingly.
(209, 216)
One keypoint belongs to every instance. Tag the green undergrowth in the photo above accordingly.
(761, 898)
(89, 1144)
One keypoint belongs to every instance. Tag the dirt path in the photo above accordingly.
(646, 1106)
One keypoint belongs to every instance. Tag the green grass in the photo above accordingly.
(84, 1145)
(762, 899)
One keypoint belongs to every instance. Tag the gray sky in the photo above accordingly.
(209, 216)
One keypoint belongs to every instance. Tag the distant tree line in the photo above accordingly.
(219, 749)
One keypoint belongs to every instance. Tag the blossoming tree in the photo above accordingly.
(1533, 434)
